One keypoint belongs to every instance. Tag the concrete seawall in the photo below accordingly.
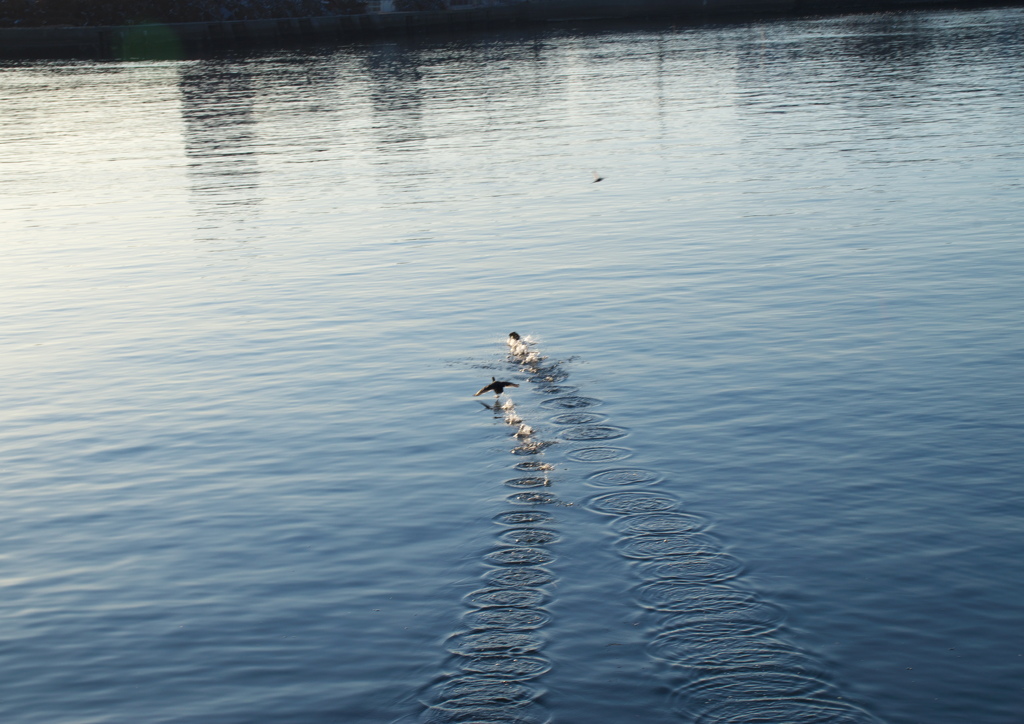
(179, 39)
(173, 39)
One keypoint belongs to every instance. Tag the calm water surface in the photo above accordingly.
(773, 379)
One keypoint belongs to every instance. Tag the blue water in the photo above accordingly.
(775, 463)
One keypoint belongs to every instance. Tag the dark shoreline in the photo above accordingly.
(175, 40)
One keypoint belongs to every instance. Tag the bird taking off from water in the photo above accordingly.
(598, 177)
(497, 386)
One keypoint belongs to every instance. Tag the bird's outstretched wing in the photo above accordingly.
(487, 388)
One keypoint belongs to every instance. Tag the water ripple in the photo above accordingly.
(468, 697)
(518, 668)
(506, 619)
(494, 643)
(520, 576)
(520, 556)
(571, 402)
(714, 617)
(578, 418)
(529, 536)
(623, 477)
(792, 710)
(650, 546)
(529, 465)
(514, 597)
(523, 517)
(599, 454)
(708, 567)
(527, 482)
(556, 389)
(628, 503)
(660, 524)
(533, 498)
(593, 432)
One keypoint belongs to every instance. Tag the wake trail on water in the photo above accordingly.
(722, 649)
(496, 657)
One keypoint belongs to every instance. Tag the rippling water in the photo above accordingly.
(771, 465)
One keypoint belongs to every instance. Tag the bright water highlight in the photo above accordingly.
(775, 427)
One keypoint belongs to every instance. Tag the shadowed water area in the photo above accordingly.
(763, 460)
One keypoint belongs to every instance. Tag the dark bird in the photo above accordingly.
(597, 177)
(514, 336)
(498, 386)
